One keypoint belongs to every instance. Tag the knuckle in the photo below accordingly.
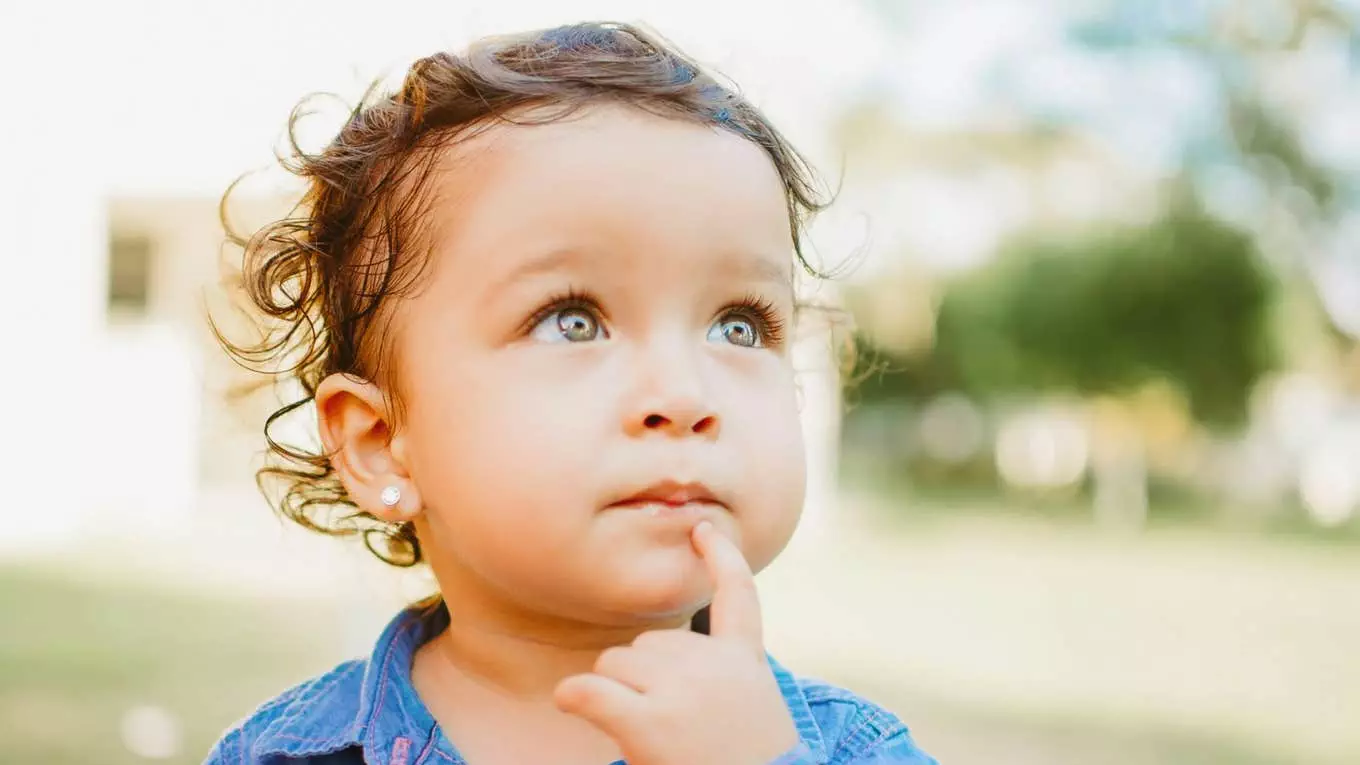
(610, 658)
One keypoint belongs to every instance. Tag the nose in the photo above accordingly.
(680, 419)
(672, 399)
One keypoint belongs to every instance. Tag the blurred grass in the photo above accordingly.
(963, 734)
(76, 654)
(997, 637)
(1029, 639)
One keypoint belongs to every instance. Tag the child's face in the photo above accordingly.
(527, 423)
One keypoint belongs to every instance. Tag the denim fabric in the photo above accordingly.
(367, 712)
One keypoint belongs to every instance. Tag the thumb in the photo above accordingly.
(603, 702)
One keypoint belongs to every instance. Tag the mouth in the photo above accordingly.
(672, 499)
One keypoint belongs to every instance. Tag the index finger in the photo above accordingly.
(735, 611)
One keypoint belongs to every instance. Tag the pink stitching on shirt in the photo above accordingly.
(401, 752)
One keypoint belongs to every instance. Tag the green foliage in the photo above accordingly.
(1186, 300)
(1274, 150)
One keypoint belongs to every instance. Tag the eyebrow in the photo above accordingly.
(544, 263)
(750, 267)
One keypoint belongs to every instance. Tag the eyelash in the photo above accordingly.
(761, 311)
(572, 298)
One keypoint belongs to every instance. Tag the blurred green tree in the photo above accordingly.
(1301, 198)
(1059, 305)
(1193, 300)
(1186, 300)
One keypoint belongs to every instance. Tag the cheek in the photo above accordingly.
(768, 446)
(769, 427)
(494, 449)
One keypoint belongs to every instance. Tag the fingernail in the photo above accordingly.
(702, 526)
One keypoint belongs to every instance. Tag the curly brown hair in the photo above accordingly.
(316, 281)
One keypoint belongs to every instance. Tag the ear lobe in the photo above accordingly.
(355, 428)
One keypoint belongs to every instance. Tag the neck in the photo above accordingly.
(520, 657)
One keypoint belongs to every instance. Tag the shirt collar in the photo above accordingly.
(373, 705)
(386, 717)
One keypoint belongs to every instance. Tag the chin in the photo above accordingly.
(657, 595)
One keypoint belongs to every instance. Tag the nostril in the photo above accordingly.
(654, 421)
(705, 425)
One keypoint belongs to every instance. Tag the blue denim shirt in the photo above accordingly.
(368, 713)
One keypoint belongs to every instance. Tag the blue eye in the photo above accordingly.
(568, 325)
(735, 329)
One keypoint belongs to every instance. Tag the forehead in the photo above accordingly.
(609, 180)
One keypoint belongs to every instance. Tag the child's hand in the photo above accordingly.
(676, 697)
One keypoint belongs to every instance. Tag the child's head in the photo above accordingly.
(541, 279)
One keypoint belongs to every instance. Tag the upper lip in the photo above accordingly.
(672, 492)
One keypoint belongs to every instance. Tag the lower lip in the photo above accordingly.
(666, 511)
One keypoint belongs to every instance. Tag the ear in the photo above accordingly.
(356, 430)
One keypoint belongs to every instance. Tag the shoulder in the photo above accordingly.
(358, 707)
(310, 714)
(852, 729)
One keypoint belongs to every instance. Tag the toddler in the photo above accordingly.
(540, 298)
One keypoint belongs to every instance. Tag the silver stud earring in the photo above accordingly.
(390, 496)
